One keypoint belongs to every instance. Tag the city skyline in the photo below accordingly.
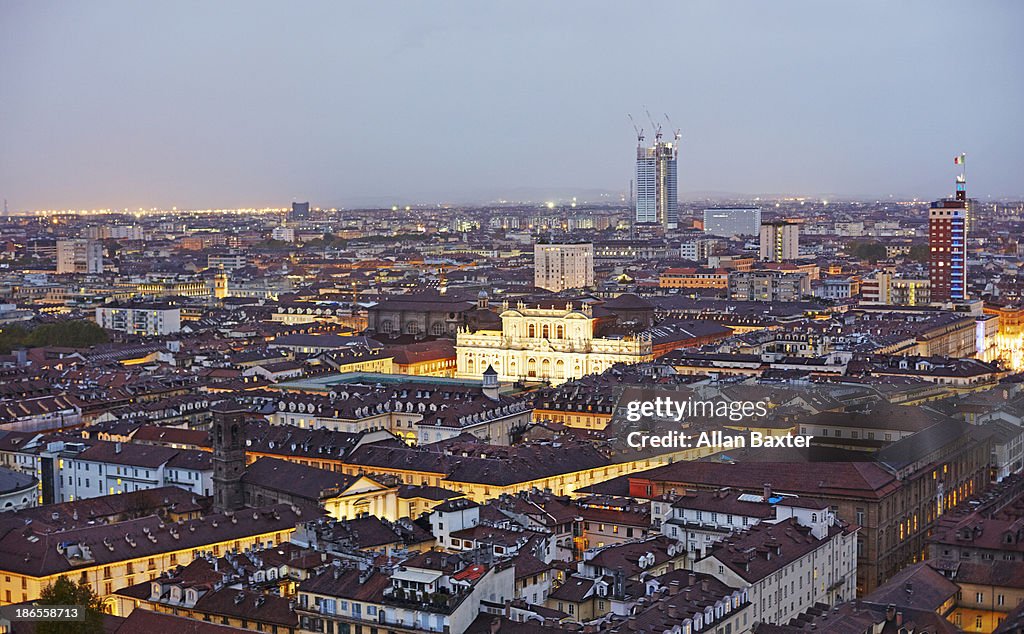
(495, 318)
(118, 106)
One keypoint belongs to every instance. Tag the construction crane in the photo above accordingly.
(676, 134)
(656, 126)
(639, 131)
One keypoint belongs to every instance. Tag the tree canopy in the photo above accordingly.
(870, 251)
(67, 592)
(79, 333)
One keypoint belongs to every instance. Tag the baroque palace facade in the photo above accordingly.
(546, 343)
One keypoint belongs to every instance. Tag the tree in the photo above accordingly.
(12, 336)
(78, 333)
(67, 592)
(919, 253)
(870, 251)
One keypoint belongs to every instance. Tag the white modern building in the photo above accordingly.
(283, 233)
(696, 250)
(226, 261)
(732, 221)
(558, 266)
(140, 319)
(79, 256)
(780, 241)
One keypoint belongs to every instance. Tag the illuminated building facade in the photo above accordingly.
(947, 242)
(553, 344)
(558, 266)
(780, 241)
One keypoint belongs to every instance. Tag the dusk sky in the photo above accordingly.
(232, 104)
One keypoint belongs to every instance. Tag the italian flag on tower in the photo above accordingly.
(959, 160)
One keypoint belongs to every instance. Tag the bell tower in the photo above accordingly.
(228, 455)
(220, 285)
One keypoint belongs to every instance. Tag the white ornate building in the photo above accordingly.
(555, 344)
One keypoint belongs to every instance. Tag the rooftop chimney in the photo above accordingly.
(767, 490)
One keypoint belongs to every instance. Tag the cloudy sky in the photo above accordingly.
(245, 103)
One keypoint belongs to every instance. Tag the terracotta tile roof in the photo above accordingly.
(142, 621)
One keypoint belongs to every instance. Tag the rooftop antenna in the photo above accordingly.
(961, 179)
(639, 131)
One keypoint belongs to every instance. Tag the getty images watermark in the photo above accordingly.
(666, 408)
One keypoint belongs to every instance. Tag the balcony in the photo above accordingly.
(440, 602)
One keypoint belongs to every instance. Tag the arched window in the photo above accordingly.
(470, 366)
(531, 367)
(437, 328)
(532, 331)
(560, 332)
(387, 326)
(546, 331)
(412, 328)
(545, 368)
(560, 369)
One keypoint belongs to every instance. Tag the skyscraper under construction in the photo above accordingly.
(657, 197)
